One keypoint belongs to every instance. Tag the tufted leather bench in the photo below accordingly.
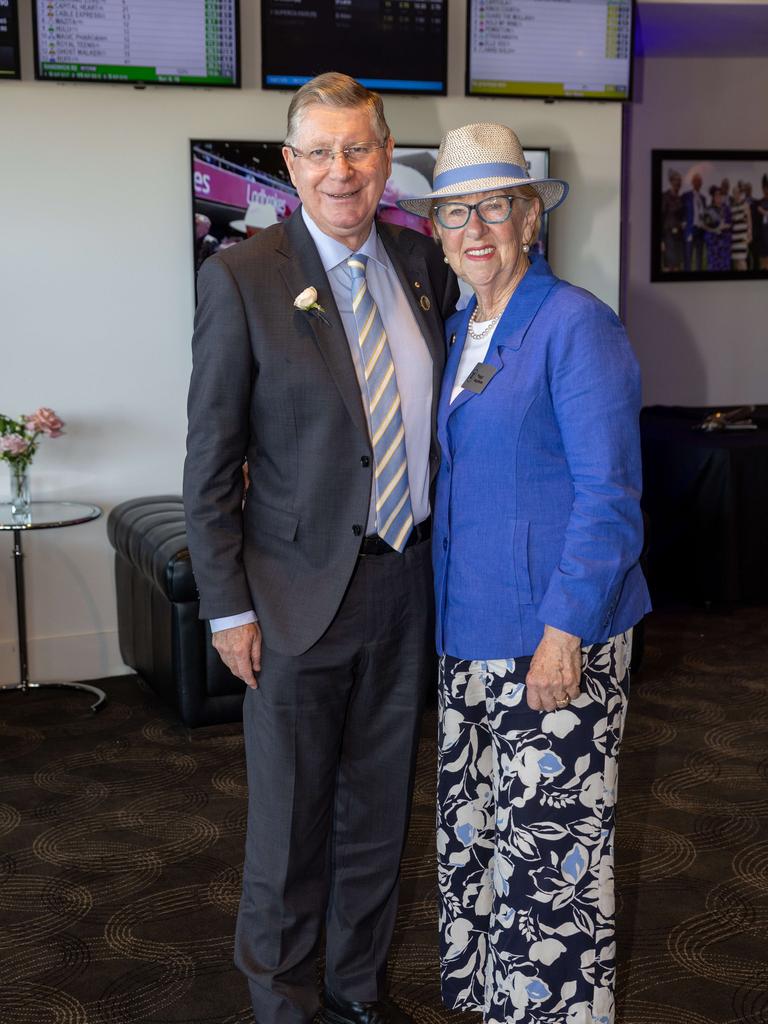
(160, 634)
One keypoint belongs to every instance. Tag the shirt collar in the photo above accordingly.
(332, 253)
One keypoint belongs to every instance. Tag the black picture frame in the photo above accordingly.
(696, 233)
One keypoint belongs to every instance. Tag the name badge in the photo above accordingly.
(479, 377)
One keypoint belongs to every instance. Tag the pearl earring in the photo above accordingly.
(445, 259)
(526, 247)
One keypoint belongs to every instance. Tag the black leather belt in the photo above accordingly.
(376, 546)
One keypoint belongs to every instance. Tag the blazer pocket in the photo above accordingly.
(274, 521)
(522, 570)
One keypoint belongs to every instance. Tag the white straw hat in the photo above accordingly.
(482, 158)
(258, 215)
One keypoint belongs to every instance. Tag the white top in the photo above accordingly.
(475, 350)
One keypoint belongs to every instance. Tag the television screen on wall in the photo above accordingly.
(550, 49)
(239, 188)
(140, 43)
(389, 46)
(10, 64)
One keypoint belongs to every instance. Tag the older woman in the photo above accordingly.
(537, 535)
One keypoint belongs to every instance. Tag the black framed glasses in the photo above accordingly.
(355, 154)
(493, 210)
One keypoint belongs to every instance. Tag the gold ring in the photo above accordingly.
(564, 701)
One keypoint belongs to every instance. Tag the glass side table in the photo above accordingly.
(46, 515)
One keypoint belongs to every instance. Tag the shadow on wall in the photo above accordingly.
(596, 280)
(673, 370)
(592, 217)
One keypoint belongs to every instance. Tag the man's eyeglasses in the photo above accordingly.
(493, 210)
(357, 154)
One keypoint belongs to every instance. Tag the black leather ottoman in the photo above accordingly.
(160, 634)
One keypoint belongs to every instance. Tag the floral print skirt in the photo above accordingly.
(525, 827)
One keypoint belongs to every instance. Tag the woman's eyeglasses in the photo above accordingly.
(493, 210)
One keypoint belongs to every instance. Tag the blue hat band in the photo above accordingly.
(463, 174)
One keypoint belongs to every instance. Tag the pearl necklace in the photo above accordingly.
(477, 335)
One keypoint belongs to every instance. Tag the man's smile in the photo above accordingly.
(342, 195)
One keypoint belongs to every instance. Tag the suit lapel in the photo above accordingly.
(414, 277)
(510, 331)
(413, 272)
(301, 267)
(524, 305)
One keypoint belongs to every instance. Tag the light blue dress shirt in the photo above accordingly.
(413, 364)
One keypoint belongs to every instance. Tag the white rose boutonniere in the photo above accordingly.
(307, 302)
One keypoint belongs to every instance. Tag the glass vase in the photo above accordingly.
(21, 506)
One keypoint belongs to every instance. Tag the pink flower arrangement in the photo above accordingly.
(45, 421)
(14, 444)
(19, 438)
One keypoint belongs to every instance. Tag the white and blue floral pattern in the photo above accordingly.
(525, 827)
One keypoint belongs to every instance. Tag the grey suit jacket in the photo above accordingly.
(278, 386)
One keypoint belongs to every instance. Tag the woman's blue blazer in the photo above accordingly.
(537, 508)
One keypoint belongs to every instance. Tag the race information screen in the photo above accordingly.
(181, 42)
(9, 40)
(549, 48)
(388, 45)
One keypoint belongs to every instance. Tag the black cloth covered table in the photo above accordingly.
(705, 495)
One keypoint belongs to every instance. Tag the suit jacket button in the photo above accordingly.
(365, 461)
(357, 529)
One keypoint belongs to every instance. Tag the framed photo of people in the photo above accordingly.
(709, 214)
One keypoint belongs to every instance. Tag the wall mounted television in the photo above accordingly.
(173, 42)
(10, 64)
(239, 187)
(550, 49)
(388, 45)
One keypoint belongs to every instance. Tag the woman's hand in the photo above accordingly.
(555, 671)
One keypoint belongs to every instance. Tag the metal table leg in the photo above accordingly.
(21, 622)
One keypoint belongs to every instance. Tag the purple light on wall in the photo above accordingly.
(701, 30)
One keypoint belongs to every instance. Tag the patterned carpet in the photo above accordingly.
(121, 834)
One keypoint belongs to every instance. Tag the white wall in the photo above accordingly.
(97, 301)
(699, 343)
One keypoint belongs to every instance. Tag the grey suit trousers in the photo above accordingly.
(331, 739)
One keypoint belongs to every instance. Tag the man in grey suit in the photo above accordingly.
(318, 352)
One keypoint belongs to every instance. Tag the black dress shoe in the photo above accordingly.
(383, 1011)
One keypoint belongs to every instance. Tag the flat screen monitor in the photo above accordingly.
(388, 45)
(10, 64)
(168, 42)
(239, 188)
(550, 49)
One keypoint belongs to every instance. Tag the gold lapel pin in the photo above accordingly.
(425, 303)
(417, 284)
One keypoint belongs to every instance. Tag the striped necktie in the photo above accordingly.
(393, 500)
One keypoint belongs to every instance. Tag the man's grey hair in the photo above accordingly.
(333, 89)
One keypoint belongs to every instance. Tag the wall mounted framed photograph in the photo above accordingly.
(709, 215)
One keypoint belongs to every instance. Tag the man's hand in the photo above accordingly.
(555, 670)
(240, 650)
